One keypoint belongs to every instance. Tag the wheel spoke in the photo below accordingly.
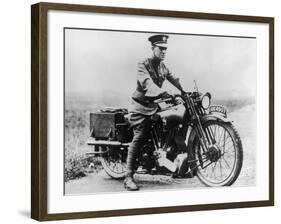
(228, 149)
(214, 169)
(220, 167)
(220, 135)
(226, 143)
(224, 140)
(226, 162)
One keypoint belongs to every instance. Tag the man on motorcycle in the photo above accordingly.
(151, 74)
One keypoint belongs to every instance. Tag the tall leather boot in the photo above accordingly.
(138, 139)
(129, 182)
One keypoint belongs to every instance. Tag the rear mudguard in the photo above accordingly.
(101, 147)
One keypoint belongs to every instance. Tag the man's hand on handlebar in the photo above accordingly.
(165, 95)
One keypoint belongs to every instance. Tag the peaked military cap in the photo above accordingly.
(159, 40)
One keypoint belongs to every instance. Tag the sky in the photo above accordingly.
(101, 62)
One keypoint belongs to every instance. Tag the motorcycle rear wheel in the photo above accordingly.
(113, 166)
(227, 167)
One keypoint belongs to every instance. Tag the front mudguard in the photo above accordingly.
(214, 117)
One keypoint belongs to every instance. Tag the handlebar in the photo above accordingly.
(162, 100)
(189, 94)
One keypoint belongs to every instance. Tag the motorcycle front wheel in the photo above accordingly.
(113, 165)
(222, 163)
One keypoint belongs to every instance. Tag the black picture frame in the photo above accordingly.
(39, 109)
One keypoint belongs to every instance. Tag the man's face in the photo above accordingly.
(159, 52)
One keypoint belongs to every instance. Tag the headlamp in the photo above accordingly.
(206, 100)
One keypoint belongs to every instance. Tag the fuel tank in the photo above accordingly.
(173, 114)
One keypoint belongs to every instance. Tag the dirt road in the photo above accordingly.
(244, 121)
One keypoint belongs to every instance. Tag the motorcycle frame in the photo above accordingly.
(205, 136)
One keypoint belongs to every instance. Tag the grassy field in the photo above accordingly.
(77, 113)
(76, 133)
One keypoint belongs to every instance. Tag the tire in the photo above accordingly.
(232, 171)
(111, 172)
(114, 166)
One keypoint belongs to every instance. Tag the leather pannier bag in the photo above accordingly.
(110, 124)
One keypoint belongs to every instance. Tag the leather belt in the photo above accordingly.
(145, 104)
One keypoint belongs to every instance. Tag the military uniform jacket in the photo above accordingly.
(150, 77)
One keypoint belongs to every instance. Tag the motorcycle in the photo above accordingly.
(213, 151)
